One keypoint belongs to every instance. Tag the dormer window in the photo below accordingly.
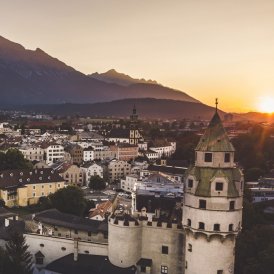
(219, 186)
(208, 157)
(227, 157)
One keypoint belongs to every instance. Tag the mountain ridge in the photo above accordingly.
(34, 77)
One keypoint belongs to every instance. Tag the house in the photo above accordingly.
(76, 153)
(21, 187)
(99, 213)
(91, 169)
(33, 153)
(54, 153)
(118, 169)
(72, 174)
(125, 152)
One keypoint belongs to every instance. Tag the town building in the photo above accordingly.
(76, 153)
(118, 169)
(125, 152)
(91, 169)
(25, 187)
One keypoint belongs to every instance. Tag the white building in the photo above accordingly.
(129, 182)
(92, 169)
(164, 150)
(54, 153)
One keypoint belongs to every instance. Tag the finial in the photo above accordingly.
(216, 103)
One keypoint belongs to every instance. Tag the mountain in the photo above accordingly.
(146, 107)
(34, 77)
(255, 117)
(112, 76)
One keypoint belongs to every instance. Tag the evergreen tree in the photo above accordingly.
(18, 254)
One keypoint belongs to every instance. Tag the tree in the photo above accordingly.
(96, 183)
(69, 200)
(13, 159)
(19, 257)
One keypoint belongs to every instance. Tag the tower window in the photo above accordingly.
(202, 204)
(164, 269)
(189, 247)
(201, 225)
(143, 268)
(216, 227)
(227, 157)
(219, 186)
(220, 272)
(190, 183)
(164, 249)
(231, 205)
(188, 222)
(230, 227)
(208, 157)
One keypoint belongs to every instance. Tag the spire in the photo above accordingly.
(215, 137)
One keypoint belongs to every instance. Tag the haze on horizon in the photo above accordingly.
(207, 48)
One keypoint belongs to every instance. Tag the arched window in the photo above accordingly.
(216, 227)
(201, 225)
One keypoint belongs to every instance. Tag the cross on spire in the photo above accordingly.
(216, 103)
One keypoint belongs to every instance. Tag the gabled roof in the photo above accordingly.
(215, 138)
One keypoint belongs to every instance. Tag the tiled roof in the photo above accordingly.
(22, 177)
(205, 175)
(119, 133)
(87, 264)
(101, 209)
(57, 218)
(215, 138)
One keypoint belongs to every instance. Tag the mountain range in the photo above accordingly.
(34, 77)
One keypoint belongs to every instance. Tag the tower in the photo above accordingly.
(212, 210)
(134, 134)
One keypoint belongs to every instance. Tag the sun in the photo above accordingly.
(266, 104)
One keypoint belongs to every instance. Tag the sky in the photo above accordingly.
(206, 48)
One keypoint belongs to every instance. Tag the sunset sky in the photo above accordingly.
(207, 48)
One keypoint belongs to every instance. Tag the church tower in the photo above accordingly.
(212, 210)
(134, 135)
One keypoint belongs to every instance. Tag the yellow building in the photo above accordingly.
(25, 187)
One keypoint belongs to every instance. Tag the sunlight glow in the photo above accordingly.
(266, 104)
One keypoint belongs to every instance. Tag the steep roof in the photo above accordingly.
(21, 177)
(205, 175)
(215, 138)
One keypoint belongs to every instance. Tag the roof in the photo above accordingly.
(57, 218)
(39, 254)
(101, 209)
(87, 264)
(119, 133)
(145, 262)
(205, 175)
(21, 177)
(90, 135)
(4, 213)
(167, 169)
(215, 138)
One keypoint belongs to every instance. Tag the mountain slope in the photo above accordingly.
(146, 107)
(34, 77)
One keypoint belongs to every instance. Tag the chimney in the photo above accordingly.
(7, 222)
(75, 253)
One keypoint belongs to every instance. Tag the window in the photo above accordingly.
(208, 157)
(202, 204)
(216, 227)
(164, 269)
(143, 269)
(227, 157)
(219, 271)
(219, 186)
(164, 249)
(201, 225)
(39, 260)
(33, 187)
(33, 194)
(231, 205)
(190, 183)
(230, 227)
(89, 233)
(188, 222)
(189, 247)
(75, 231)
